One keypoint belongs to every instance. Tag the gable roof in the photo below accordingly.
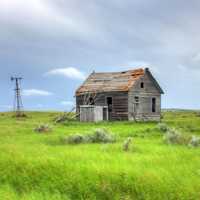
(112, 81)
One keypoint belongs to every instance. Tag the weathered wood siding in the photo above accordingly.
(143, 110)
(119, 103)
(91, 113)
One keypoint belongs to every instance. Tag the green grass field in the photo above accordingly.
(38, 166)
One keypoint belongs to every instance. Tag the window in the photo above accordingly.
(109, 100)
(153, 105)
(142, 84)
(109, 103)
(91, 101)
(136, 99)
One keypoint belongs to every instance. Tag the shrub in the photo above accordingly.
(100, 135)
(162, 127)
(73, 139)
(194, 142)
(126, 144)
(174, 137)
(198, 114)
(43, 128)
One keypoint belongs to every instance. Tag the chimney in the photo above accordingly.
(146, 69)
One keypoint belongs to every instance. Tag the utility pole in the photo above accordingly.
(18, 105)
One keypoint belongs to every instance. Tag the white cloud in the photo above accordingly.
(43, 15)
(36, 92)
(32, 10)
(67, 103)
(69, 72)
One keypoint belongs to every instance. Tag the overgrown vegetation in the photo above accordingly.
(65, 117)
(173, 137)
(127, 144)
(73, 139)
(195, 141)
(198, 114)
(163, 127)
(38, 167)
(43, 128)
(99, 135)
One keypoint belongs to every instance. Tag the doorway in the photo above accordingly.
(109, 101)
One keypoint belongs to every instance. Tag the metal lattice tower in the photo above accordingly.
(18, 105)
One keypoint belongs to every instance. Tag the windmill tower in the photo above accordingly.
(18, 105)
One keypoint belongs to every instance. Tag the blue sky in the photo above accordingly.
(55, 44)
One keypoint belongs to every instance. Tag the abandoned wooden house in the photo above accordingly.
(128, 95)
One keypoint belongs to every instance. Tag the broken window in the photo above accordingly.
(91, 101)
(142, 84)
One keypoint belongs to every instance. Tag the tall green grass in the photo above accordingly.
(38, 166)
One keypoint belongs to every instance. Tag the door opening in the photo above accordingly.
(110, 107)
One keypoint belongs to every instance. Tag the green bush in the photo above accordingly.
(173, 136)
(99, 135)
(162, 127)
(73, 139)
(194, 142)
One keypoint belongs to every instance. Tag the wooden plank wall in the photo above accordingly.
(120, 103)
(144, 110)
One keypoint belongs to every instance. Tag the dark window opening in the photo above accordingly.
(137, 100)
(142, 85)
(153, 105)
(91, 101)
(109, 103)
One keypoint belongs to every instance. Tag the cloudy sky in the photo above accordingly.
(55, 44)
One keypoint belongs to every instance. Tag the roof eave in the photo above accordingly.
(154, 80)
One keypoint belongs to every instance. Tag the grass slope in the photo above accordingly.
(37, 166)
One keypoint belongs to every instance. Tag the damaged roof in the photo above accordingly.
(111, 81)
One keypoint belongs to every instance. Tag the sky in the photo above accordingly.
(55, 44)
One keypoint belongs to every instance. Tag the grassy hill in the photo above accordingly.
(39, 166)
